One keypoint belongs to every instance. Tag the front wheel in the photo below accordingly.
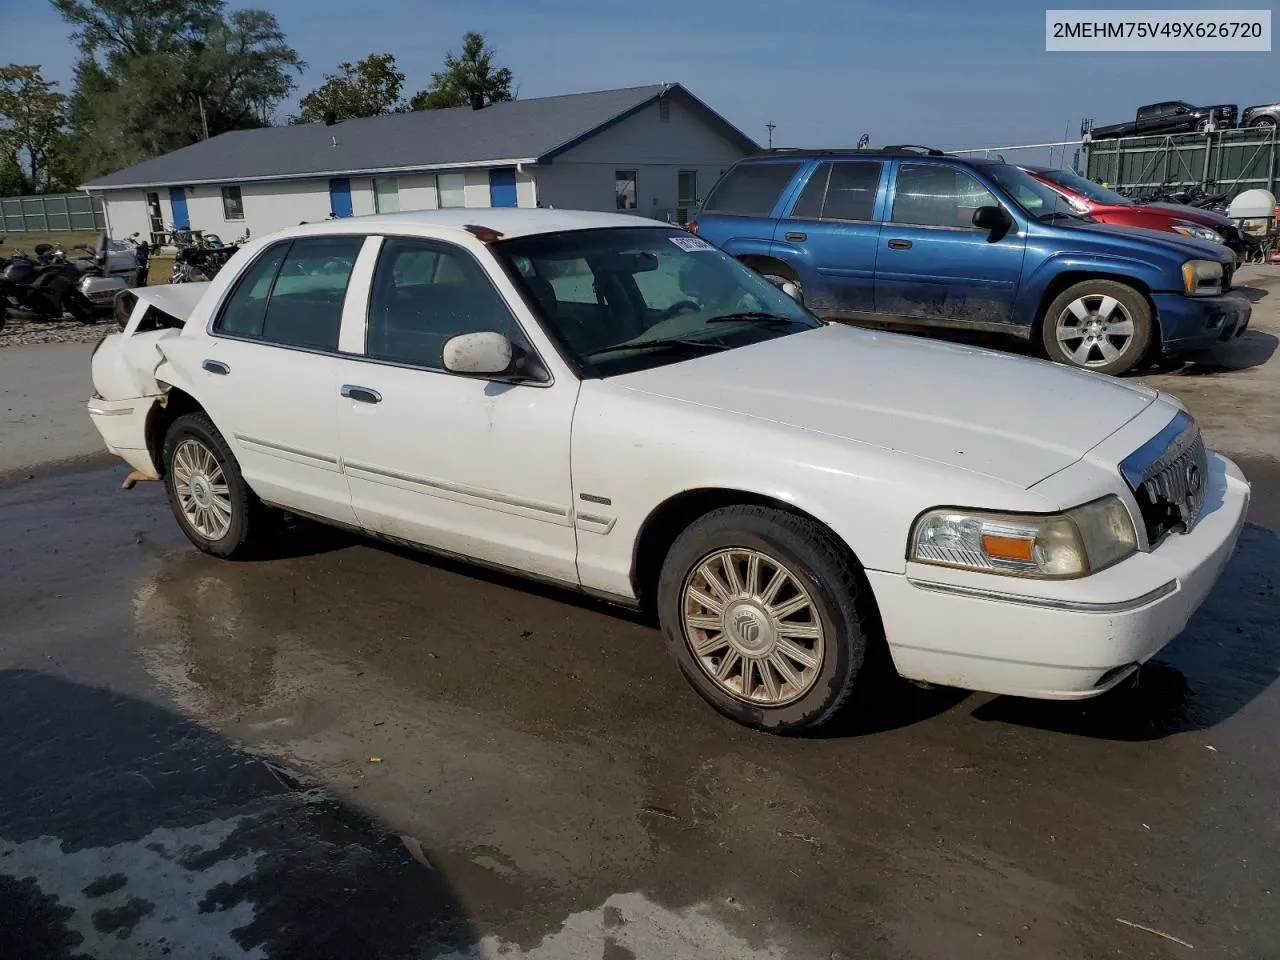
(1099, 325)
(80, 307)
(767, 618)
(210, 500)
(1264, 123)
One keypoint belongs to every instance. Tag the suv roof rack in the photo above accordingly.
(902, 149)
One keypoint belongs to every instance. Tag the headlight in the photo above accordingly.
(1202, 278)
(1060, 546)
(1198, 231)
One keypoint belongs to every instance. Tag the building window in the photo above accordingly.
(232, 204)
(624, 187)
(386, 195)
(451, 189)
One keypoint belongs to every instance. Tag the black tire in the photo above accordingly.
(1264, 122)
(77, 304)
(842, 604)
(1135, 306)
(249, 517)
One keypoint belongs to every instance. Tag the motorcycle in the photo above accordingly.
(44, 285)
(200, 261)
(112, 266)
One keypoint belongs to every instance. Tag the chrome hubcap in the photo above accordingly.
(752, 627)
(201, 488)
(1094, 330)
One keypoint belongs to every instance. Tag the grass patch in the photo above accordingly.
(66, 239)
(161, 266)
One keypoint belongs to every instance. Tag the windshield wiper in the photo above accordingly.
(754, 316)
(675, 346)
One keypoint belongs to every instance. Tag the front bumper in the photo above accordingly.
(1060, 640)
(123, 426)
(1194, 323)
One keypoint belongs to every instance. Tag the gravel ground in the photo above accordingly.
(18, 332)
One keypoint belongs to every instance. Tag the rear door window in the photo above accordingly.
(750, 189)
(851, 191)
(305, 309)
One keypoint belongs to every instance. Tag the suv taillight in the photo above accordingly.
(692, 227)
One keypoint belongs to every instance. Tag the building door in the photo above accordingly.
(178, 201)
(686, 195)
(340, 197)
(502, 187)
(155, 219)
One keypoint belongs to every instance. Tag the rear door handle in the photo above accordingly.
(794, 237)
(899, 244)
(216, 366)
(361, 394)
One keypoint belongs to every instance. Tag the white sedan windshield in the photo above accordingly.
(619, 299)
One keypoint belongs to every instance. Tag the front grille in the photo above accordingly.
(1170, 489)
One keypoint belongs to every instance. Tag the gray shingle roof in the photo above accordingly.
(519, 130)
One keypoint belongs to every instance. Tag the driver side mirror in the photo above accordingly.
(792, 291)
(487, 353)
(992, 219)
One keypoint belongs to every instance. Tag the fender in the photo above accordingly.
(1125, 269)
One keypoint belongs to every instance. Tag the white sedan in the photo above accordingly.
(611, 404)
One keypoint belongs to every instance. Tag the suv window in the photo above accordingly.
(933, 195)
(840, 190)
(293, 293)
(423, 294)
(750, 189)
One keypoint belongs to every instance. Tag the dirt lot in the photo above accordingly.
(356, 751)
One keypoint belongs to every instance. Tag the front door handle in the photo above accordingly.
(899, 244)
(361, 394)
(794, 237)
(216, 366)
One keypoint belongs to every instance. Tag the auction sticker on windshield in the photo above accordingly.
(690, 244)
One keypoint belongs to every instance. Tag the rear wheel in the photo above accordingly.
(210, 500)
(1100, 325)
(768, 618)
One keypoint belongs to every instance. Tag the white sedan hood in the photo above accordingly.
(1007, 417)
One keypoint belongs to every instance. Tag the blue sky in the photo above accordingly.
(947, 74)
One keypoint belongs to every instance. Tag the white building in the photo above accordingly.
(656, 150)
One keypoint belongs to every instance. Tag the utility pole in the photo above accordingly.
(204, 121)
(771, 127)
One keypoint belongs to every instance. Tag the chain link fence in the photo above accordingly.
(59, 211)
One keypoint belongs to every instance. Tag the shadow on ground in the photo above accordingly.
(1225, 658)
(125, 828)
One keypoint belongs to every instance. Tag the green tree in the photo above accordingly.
(464, 76)
(32, 117)
(365, 89)
(154, 74)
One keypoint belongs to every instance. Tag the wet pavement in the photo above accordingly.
(357, 751)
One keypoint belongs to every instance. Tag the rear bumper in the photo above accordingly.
(123, 426)
(1194, 323)
(1067, 640)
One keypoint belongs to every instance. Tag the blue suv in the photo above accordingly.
(912, 237)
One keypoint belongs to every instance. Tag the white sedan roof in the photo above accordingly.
(508, 221)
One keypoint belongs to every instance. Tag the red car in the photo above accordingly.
(1086, 197)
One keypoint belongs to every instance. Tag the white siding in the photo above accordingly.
(127, 211)
(583, 178)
